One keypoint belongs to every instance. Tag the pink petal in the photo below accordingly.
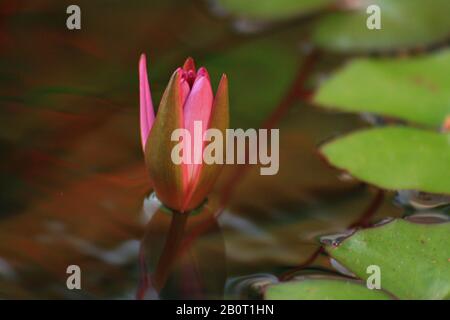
(190, 73)
(202, 72)
(197, 108)
(189, 65)
(147, 114)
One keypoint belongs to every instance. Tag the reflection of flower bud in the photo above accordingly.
(187, 98)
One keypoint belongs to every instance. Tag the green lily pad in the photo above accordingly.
(396, 158)
(404, 24)
(259, 73)
(413, 258)
(311, 288)
(271, 9)
(413, 89)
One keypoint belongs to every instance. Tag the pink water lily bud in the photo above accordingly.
(187, 102)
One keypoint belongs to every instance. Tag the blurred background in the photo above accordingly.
(72, 178)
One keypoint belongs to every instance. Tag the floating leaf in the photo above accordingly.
(413, 89)
(413, 258)
(395, 158)
(271, 9)
(311, 288)
(404, 24)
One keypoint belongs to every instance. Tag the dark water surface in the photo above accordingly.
(72, 176)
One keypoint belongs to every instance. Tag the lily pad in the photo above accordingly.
(413, 89)
(404, 24)
(271, 9)
(395, 158)
(311, 288)
(413, 258)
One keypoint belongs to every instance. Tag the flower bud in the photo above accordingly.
(187, 103)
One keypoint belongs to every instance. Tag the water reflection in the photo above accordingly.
(429, 217)
(173, 263)
(419, 200)
(248, 287)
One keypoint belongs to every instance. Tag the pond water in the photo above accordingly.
(74, 188)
